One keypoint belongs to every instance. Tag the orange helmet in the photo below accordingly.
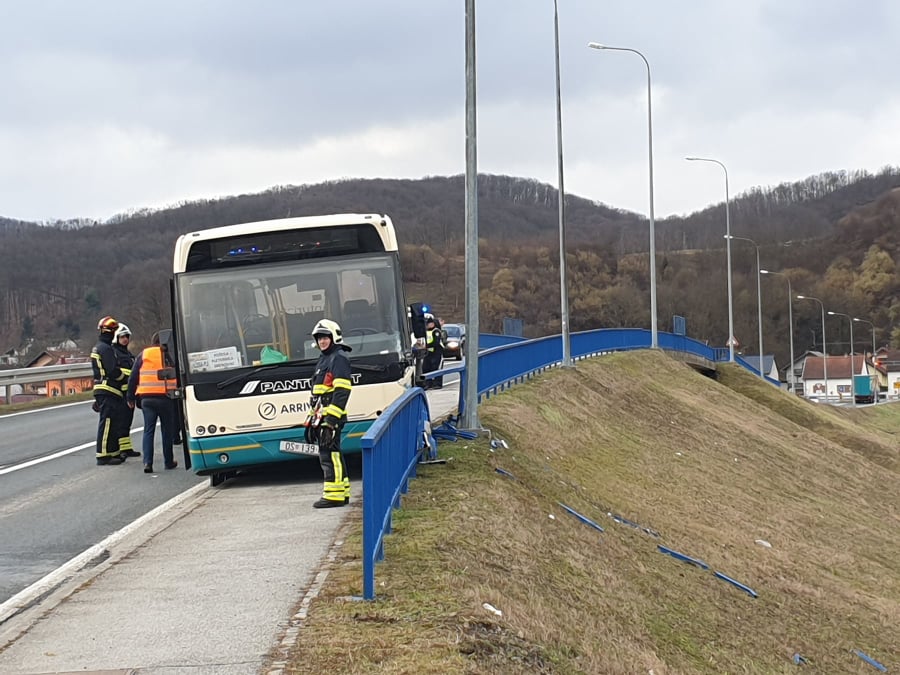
(107, 325)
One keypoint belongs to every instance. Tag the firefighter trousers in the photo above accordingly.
(112, 425)
(334, 469)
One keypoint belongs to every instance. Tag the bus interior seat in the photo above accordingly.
(360, 314)
(300, 327)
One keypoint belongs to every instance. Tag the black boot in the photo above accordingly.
(328, 503)
(110, 461)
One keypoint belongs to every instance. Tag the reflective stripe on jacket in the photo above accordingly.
(107, 374)
(332, 383)
(434, 341)
(125, 360)
(149, 383)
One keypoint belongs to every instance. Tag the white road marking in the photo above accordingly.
(24, 598)
(49, 407)
(55, 455)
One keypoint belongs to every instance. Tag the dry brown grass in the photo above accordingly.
(711, 466)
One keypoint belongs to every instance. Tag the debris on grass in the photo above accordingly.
(868, 659)
(682, 557)
(737, 584)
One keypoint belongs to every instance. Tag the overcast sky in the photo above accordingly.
(111, 106)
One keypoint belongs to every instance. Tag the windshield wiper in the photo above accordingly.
(259, 369)
(369, 368)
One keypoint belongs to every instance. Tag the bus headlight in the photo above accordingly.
(211, 428)
(223, 458)
(201, 431)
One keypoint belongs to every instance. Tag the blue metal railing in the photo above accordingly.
(391, 449)
(392, 446)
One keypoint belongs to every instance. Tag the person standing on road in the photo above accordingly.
(434, 352)
(108, 395)
(125, 359)
(151, 394)
(328, 412)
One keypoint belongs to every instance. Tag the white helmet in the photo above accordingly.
(429, 317)
(120, 331)
(329, 328)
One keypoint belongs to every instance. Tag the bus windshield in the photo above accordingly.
(263, 314)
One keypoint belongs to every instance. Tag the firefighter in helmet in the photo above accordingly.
(328, 411)
(121, 340)
(108, 394)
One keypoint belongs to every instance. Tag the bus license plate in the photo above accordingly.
(299, 448)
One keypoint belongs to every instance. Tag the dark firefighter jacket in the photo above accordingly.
(108, 377)
(125, 360)
(331, 383)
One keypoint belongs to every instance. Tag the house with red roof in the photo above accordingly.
(831, 377)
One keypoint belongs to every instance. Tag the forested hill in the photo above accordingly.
(56, 278)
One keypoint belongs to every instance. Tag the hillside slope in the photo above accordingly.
(709, 466)
(48, 293)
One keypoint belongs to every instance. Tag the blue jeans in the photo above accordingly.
(159, 408)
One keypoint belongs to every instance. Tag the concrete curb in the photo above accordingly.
(46, 593)
(286, 642)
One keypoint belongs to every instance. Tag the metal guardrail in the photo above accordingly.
(391, 447)
(66, 371)
(391, 450)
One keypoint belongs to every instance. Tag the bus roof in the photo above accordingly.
(185, 241)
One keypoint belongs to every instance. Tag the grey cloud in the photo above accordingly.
(203, 77)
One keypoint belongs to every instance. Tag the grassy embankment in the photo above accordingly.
(711, 466)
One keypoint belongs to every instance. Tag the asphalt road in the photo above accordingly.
(55, 502)
(169, 584)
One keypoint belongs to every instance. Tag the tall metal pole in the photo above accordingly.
(470, 413)
(654, 332)
(790, 325)
(727, 255)
(759, 312)
(563, 290)
(872, 325)
(852, 367)
(758, 300)
(824, 347)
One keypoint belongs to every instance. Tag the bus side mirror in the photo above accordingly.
(417, 319)
(166, 374)
(167, 339)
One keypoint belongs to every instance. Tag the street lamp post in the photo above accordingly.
(654, 333)
(824, 350)
(727, 255)
(758, 299)
(852, 367)
(563, 290)
(873, 352)
(872, 326)
(470, 401)
(790, 324)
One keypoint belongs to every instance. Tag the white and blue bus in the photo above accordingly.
(245, 300)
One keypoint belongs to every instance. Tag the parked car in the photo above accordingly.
(454, 340)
